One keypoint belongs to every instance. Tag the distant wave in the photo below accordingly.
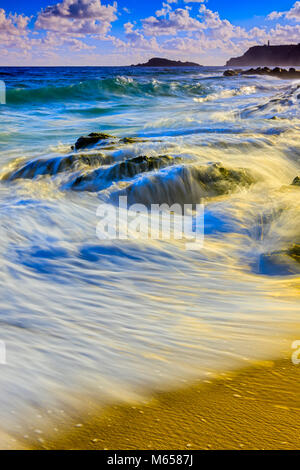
(244, 90)
(104, 89)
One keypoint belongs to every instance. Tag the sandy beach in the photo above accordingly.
(254, 408)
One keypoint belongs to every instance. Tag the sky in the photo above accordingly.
(124, 32)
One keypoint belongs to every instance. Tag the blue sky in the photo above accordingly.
(108, 32)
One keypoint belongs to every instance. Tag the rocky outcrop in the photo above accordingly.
(276, 72)
(91, 139)
(296, 181)
(53, 166)
(97, 179)
(287, 55)
(159, 62)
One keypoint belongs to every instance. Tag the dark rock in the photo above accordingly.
(102, 177)
(294, 252)
(276, 72)
(53, 166)
(230, 73)
(296, 181)
(131, 140)
(91, 139)
(219, 180)
(136, 165)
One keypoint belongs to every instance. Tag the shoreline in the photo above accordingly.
(257, 407)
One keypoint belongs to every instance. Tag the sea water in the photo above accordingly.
(87, 318)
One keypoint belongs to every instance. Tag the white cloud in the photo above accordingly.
(13, 25)
(77, 17)
(292, 14)
(275, 15)
(175, 21)
(137, 40)
(14, 32)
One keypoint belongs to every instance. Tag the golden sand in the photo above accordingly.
(254, 408)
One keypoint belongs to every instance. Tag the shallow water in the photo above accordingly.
(109, 318)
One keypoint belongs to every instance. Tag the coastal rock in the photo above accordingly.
(93, 138)
(276, 72)
(184, 184)
(101, 177)
(296, 181)
(285, 55)
(96, 137)
(294, 252)
(53, 166)
(132, 140)
(220, 180)
(230, 73)
(130, 168)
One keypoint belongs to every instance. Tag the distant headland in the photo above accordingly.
(159, 62)
(268, 56)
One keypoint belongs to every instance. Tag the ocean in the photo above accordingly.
(89, 319)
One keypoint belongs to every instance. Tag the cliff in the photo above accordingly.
(268, 55)
(158, 62)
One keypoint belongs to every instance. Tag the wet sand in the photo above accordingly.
(254, 408)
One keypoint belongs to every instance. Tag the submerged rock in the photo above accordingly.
(296, 181)
(53, 166)
(294, 252)
(98, 179)
(220, 180)
(96, 137)
(133, 166)
(183, 184)
(131, 140)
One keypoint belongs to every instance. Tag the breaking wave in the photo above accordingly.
(104, 89)
(245, 90)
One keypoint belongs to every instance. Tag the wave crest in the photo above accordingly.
(103, 89)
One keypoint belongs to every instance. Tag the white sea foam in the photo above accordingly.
(225, 94)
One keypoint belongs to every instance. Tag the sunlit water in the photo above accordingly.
(83, 317)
